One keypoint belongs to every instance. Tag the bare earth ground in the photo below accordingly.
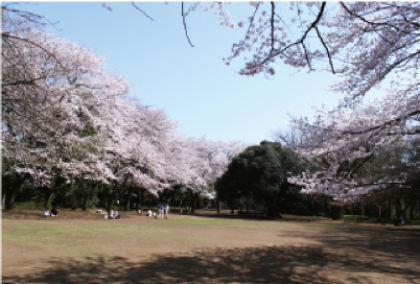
(80, 247)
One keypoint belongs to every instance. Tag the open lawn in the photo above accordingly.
(80, 247)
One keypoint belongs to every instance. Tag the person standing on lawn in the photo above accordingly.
(160, 210)
(166, 210)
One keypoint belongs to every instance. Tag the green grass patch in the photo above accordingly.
(30, 205)
(97, 236)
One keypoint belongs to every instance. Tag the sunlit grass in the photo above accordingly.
(93, 237)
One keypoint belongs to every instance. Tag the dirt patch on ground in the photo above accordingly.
(82, 247)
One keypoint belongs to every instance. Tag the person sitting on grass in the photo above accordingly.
(111, 214)
(149, 213)
(54, 212)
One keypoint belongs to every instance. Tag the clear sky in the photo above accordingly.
(192, 84)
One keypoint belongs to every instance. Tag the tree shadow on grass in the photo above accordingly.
(242, 265)
(368, 241)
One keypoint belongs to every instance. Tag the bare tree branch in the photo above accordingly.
(185, 25)
(141, 11)
(366, 21)
(312, 26)
(272, 24)
(326, 48)
(307, 57)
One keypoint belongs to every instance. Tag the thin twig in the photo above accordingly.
(253, 18)
(307, 57)
(185, 25)
(142, 11)
(365, 20)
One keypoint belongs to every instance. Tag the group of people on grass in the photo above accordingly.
(162, 209)
(113, 214)
(52, 213)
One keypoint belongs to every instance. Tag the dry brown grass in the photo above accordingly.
(79, 247)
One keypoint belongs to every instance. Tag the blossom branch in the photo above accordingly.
(271, 55)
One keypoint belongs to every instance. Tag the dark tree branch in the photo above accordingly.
(307, 57)
(312, 26)
(272, 24)
(413, 113)
(326, 48)
(24, 82)
(411, 22)
(31, 17)
(135, 6)
(185, 25)
(366, 21)
(390, 68)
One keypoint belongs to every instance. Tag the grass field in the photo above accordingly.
(80, 247)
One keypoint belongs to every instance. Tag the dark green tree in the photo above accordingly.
(261, 172)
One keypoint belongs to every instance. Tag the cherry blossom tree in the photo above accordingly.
(367, 45)
(45, 82)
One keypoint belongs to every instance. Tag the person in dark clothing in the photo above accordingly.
(54, 211)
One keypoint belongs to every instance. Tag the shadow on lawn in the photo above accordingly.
(400, 244)
(244, 265)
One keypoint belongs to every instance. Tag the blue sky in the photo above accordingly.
(192, 84)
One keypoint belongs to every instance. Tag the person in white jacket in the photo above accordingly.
(166, 210)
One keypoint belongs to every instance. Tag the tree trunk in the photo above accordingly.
(180, 204)
(390, 208)
(48, 196)
(193, 201)
(411, 212)
(89, 195)
(127, 199)
(10, 199)
(232, 205)
(85, 201)
(73, 201)
(139, 198)
(337, 212)
(255, 208)
(188, 199)
(110, 202)
(218, 205)
(13, 190)
(104, 202)
(273, 209)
